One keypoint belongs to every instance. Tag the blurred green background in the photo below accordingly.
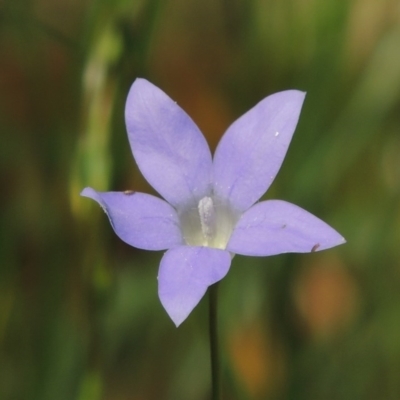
(79, 312)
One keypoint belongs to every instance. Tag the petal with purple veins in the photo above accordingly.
(252, 150)
(139, 219)
(274, 227)
(185, 274)
(169, 148)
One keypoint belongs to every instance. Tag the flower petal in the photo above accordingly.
(139, 219)
(275, 227)
(169, 148)
(252, 150)
(184, 276)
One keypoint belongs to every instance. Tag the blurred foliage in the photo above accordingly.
(79, 311)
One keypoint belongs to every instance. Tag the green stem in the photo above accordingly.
(213, 316)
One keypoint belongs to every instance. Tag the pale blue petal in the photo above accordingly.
(275, 227)
(169, 148)
(252, 150)
(139, 219)
(184, 276)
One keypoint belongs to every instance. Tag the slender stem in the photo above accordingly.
(213, 317)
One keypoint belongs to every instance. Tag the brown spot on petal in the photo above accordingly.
(283, 226)
(315, 247)
(129, 192)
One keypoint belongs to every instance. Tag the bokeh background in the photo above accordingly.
(79, 313)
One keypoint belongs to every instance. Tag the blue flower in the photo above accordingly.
(210, 209)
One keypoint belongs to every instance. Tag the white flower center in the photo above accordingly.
(209, 224)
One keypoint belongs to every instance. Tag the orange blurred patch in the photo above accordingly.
(203, 102)
(326, 297)
(194, 84)
(257, 359)
(207, 108)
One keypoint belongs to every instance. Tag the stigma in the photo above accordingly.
(207, 217)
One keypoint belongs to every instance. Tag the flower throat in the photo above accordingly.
(210, 224)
